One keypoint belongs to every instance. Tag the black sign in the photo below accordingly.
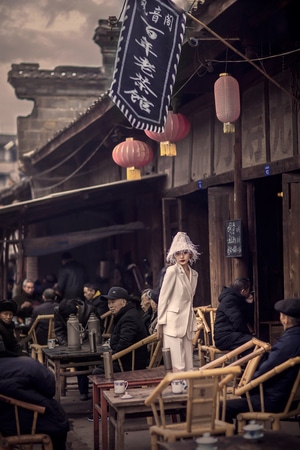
(233, 238)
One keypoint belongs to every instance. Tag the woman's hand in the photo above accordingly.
(159, 332)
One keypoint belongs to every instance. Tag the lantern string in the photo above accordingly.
(241, 55)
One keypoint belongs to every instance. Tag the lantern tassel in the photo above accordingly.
(167, 148)
(228, 127)
(133, 174)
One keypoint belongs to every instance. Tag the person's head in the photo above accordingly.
(70, 306)
(153, 295)
(117, 298)
(89, 291)
(289, 310)
(182, 250)
(243, 286)
(28, 286)
(49, 294)
(145, 301)
(65, 257)
(8, 309)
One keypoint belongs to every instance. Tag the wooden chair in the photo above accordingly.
(24, 441)
(155, 351)
(202, 407)
(291, 408)
(206, 346)
(248, 363)
(31, 338)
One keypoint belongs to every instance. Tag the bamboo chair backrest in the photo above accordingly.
(251, 360)
(204, 315)
(204, 390)
(29, 439)
(259, 381)
(38, 319)
(132, 348)
(108, 319)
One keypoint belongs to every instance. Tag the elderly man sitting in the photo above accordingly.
(278, 388)
(128, 328)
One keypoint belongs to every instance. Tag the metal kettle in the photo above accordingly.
(74, 332)
(94, 327)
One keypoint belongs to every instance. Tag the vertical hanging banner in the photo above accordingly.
(146, 62)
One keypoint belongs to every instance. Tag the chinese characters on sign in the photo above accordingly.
(233, 238)
(146, 63)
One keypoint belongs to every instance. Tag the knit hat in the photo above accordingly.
(289, 307)
(181, 241)
(8, 305)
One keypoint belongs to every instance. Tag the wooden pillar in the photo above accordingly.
(240, 265)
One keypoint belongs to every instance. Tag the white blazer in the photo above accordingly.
(175, 306)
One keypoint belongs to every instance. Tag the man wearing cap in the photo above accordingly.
(128, 328)
(277, 389)
(8, 343)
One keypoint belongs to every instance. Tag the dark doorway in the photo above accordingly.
(268, 201)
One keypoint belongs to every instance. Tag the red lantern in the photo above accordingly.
(176, 128)
(227, 101)
(132, 154)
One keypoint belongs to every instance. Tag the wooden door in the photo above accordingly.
(291, 234)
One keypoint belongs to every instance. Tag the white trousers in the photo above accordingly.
(181, 352)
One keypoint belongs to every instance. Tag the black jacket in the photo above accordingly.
(128, 328)
(278, 388)
(28, 380)
(8, 343)
(233, 315)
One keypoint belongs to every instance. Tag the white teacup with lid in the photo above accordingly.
(253, 430)
(206, 442)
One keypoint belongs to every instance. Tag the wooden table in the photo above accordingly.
(119, 407)
(59, 358)
(272, 440)
(135, 378)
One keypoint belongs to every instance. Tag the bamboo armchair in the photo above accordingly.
(155, 352)
(202, 407)
(248, 363)
(206, 347)
(31, 338)
(24, 441)
(291, 408)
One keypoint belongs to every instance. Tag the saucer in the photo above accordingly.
(125, 396)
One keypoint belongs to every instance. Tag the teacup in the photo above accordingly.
(120, 386)
(206, 442)
(177, 386)
(51, 343)
(253, 430)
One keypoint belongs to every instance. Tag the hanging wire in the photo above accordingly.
(79, 167)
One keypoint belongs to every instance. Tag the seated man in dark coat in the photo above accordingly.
(28, 380)
(128, 328)
(47, 307)
(8, 343)
(278, 388)
(93, 297)
(234, 317)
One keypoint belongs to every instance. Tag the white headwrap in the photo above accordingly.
(181, 241)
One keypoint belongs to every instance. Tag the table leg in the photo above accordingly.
(119, 430)
(103, 406)
(96, 398)
(57, 380)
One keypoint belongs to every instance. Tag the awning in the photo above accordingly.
(63, 203)
(67, 241)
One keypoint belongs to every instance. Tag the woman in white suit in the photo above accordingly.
(176, 319)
